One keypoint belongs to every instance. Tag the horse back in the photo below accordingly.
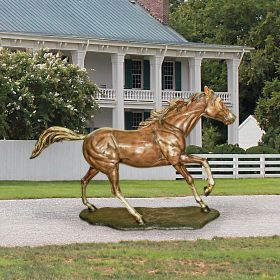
(137, 148)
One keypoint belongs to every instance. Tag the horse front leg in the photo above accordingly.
(203, 162)
(180, 167)
(113, 177)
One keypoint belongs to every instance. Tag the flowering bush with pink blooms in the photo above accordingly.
(39, 90)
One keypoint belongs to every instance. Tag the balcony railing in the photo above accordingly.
(106, 94)
(225, 96)
(138, 95)
(168, 95)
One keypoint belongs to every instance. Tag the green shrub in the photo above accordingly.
(271, 138)
(261, 150)
(192, 149)
(210, 136)
(41, 89)
(228, 149)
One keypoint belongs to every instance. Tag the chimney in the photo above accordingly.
(157, 8)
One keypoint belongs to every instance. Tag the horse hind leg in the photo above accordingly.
(84, 182)
(113, 177)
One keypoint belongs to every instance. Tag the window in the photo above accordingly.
(136, 74)
(137, 117)
(133, 118)
(168, 75)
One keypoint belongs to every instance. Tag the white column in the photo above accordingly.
(78, 58)
(155, 77)
(233, 89)
(185, 83)
(195, 86)
(118, 85)
(185, 74)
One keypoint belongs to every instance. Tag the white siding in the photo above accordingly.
(103, 118)
(250, 133)
(185, 75)
(99, 68)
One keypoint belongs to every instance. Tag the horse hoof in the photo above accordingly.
(206, 191)
(92, 208)
(141, 222)
(206, 209)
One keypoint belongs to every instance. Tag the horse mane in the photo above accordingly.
(158, 115)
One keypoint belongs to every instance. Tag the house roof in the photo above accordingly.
(122, 20)
(250, 119)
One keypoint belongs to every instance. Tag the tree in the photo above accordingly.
(40, 90)
(254, 23)
(210, 137)
(174, 4)
(272, 139)
(268, 113)
(260, 66)
(3, 95)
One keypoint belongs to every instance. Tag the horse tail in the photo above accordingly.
(52, 135)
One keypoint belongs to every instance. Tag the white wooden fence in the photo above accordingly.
(238, 166)
(64, 161)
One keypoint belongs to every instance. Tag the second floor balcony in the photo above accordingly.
(108, 97)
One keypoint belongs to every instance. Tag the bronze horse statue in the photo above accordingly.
(159, 141)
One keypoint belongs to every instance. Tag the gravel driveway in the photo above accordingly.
(56, 221)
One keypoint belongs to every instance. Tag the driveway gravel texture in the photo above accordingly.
(39, 222)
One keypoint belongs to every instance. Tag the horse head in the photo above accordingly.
(216, 109)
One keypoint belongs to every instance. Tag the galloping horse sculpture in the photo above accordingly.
(159, 141)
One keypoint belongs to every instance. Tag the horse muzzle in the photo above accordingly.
(229, 119)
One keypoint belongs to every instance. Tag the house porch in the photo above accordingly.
(133, 85)
(110, 63)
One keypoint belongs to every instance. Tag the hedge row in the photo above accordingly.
(231, 149)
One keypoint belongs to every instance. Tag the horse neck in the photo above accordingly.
(186, 120)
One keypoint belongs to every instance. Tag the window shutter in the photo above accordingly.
(128, 120)
(128, 73)
(147, 115)
(178, 82)
(146, 64)
(162, 77)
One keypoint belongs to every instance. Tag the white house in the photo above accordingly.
(250, 133)
(139, 62)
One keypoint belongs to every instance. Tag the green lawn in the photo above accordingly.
(22, 190)
(240, 258)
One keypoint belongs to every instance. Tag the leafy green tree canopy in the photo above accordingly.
(268, 107)
(174, 4)
(268, 113)
(255, 23)
(39, 90)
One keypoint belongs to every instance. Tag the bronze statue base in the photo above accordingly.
(155, 218)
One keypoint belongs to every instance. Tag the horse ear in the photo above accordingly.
(207, 91)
